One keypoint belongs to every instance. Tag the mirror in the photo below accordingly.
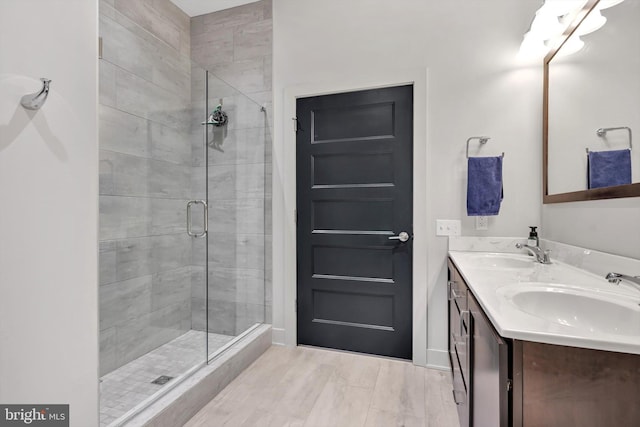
(594, 88)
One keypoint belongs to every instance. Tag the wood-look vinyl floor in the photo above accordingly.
(305, 387)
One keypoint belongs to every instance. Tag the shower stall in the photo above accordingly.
(182, 216)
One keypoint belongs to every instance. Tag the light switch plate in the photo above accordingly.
(448, 227)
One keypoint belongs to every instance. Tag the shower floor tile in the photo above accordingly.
(127, 386)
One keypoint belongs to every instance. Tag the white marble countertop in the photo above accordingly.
(493, 287)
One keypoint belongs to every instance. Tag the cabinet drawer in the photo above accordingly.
(460, 394)
(457, 292)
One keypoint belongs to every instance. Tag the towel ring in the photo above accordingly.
(482, 139)
(602, 132)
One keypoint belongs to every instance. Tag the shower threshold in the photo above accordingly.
(129, 389)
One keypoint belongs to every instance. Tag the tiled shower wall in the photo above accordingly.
(236, 45)
(145, 178)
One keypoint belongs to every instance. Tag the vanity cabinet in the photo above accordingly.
(479, 360)
(500, 381)
(459, 343)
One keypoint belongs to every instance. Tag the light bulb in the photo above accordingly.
(591, 23)
(561, 7)
(573, 45)
(546, 25)
(532, 47)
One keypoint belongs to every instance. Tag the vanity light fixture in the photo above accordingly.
(552, 19)
(571, 46)
(594, 21)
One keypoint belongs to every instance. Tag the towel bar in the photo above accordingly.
(602, 132)
(482, 139)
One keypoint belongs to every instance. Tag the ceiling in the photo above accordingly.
(201, 7)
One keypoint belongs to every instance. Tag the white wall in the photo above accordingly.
(475, 87)
(48, 207)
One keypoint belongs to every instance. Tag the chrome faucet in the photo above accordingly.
(542, 256)
(616, 278)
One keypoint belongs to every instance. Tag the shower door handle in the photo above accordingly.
(205, 227)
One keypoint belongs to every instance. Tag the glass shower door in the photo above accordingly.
(236, 177)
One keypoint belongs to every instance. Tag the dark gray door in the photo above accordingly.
(354, 193)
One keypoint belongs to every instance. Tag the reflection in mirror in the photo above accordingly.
(594, 106)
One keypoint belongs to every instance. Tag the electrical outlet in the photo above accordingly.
(448, 227)
(482, 223)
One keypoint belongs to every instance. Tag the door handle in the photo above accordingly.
(463, 314)
(205, 227)
(403, 236)
(455, 397)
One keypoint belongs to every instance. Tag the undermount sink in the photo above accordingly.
(577, 308)
(484, 260)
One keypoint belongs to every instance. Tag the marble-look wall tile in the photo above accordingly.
(221, 316)
(107, 84)
(122, 301)
(237, 181)
(147, 255)
(169, 144)
(143, 98)
(108, 359)
(128, 217)
(233, 250)
(170, 287)
(122, 217)
(239, 215)
(268, 216)
(126, 133)
(151, 330)
(213, 47)
(236, 285)
(248, 315)
(158, 17)
(107, 262)
(126, 175)
(240, 146)
(123, 132)
(247, 75)
(252, 40)
(229, 18)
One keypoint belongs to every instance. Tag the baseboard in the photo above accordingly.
(438, 359)
(278, 336)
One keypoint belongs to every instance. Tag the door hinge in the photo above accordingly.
(295, 124)
(99, 47)
(296, 305)
(295, 216)
(509, 385)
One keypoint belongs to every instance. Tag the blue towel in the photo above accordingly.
(484, 186)
(609, 168)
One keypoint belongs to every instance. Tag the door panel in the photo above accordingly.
(354, 191)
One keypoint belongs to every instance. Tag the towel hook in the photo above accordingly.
(482, 139)
(602, 132)
(35, 101)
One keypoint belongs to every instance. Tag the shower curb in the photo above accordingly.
(182, 403)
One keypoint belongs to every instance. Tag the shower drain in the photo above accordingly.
(162, 380)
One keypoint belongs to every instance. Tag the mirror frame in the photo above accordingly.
(629, 190)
